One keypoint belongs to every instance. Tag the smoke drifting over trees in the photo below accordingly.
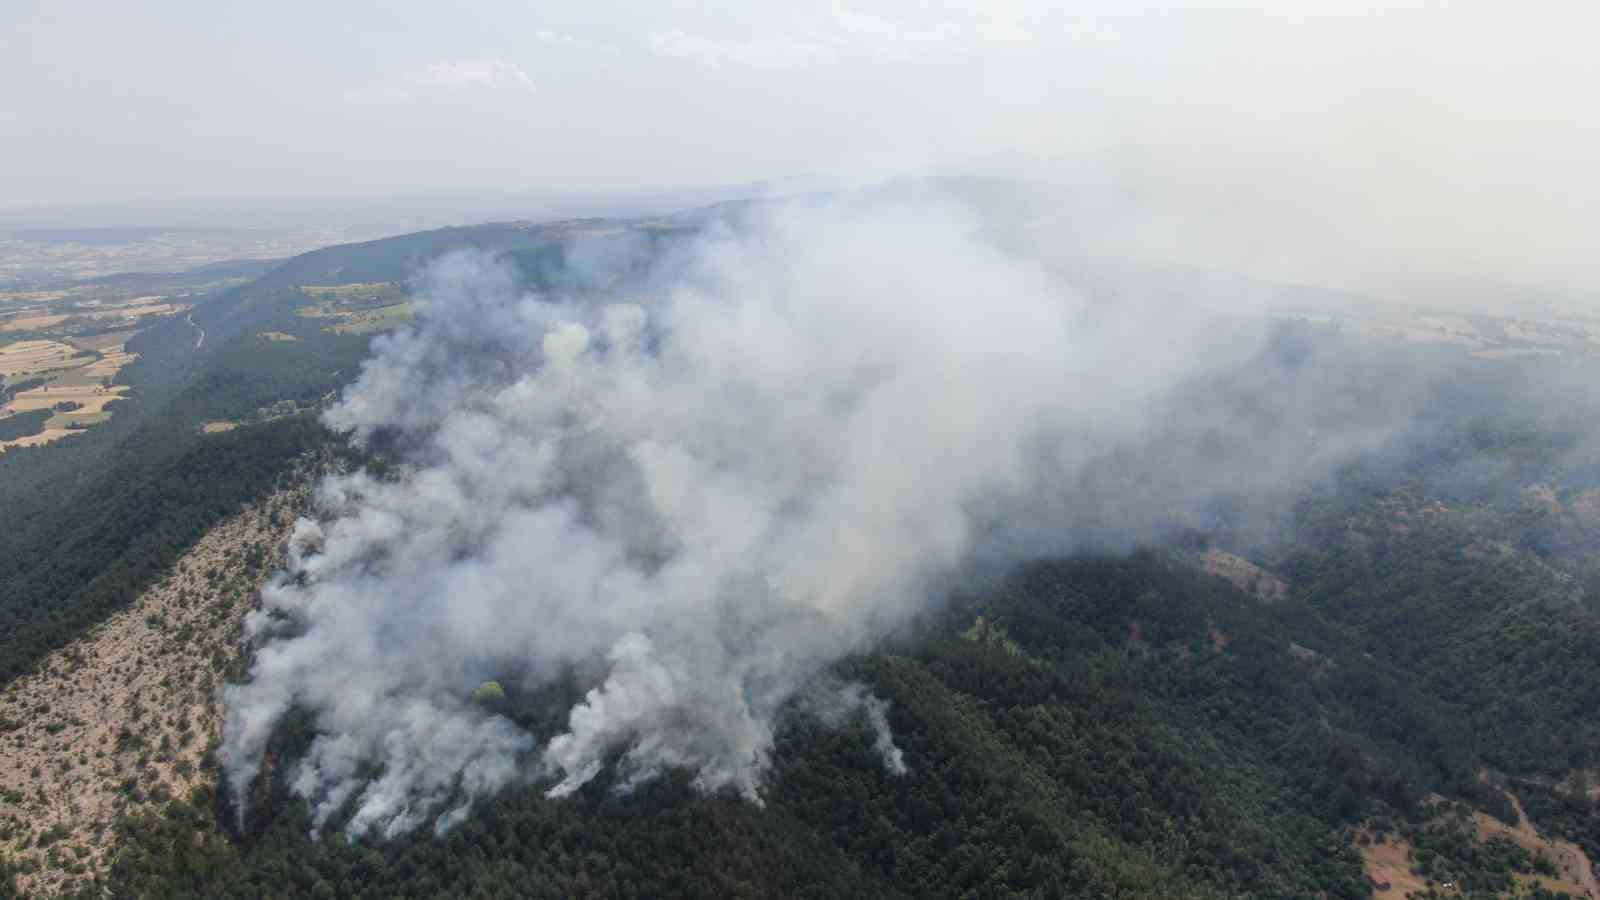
(701, 490)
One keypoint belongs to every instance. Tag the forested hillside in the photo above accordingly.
(1111, 726)
(1107, 725)
(1092, 727)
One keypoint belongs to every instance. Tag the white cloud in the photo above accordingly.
(776, 52)
(377, 95)
(490, 73)
(552, 38)
(887, 39)
(844, 34)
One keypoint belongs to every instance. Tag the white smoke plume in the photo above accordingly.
(835, 704)
(707, 491)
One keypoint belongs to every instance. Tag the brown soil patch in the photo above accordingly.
(1245, 575)
(124, 718)
(1388, 867)
(218, 427)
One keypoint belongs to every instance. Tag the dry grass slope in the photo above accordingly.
(124, 718)
(1388, 868)
(1388, 861)
(1576, 874)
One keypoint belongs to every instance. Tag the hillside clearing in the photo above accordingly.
(1388, 867)
(358, 308)
(1245, 575)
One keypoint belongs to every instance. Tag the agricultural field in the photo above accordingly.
(43, 255)
(71, 378)
(61, 350)
(82, 311)
(359, 308)
(25, 359)
(63, 346)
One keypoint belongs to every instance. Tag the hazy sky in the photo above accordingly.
(1447, 131)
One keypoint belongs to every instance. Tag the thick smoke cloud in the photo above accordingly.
(702, 492)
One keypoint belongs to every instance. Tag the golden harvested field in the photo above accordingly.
(73, 378)
(26, 323)
(43, 437)
(92, 398)
(218, 427)
(109, 364)
(29, 358)
(121, 720)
